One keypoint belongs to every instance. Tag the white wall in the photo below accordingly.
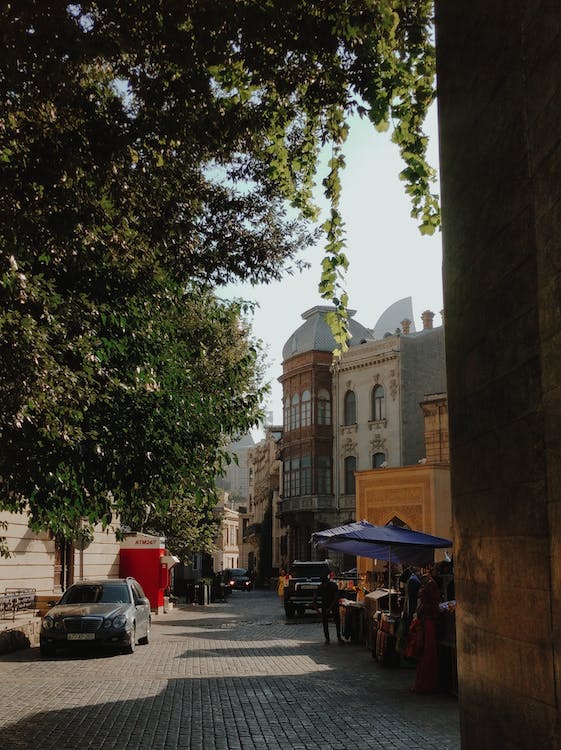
(32, 556)
(31, 561)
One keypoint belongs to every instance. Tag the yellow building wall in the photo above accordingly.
(418, 495)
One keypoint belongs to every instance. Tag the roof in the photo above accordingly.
(391, 319)
(315, 334)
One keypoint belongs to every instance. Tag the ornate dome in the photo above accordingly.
(315, 334)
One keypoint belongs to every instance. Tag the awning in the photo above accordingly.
(391, 543)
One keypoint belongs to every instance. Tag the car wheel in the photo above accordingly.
(47, 649)
(132, 642)
(301, 611)
(144, 641)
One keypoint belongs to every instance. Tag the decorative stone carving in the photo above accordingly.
(349, 446)
(412, 515)
(377, 442)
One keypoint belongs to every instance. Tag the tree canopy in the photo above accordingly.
(149, 152)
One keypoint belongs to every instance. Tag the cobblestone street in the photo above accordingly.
(227, 676)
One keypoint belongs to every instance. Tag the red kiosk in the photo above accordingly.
(146, 558)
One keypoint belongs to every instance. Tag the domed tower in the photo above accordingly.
(308, 500)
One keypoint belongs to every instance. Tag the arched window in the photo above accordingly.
(350, 468)
(324, 407)
(378, 410)
(378, 459)
(306, 410)
(349, 408)
(295, 412)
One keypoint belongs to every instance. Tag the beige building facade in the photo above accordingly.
(264, 532)
(37, 561)
(227, 552)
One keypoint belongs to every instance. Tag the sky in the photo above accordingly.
(388, 257)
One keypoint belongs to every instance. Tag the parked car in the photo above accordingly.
(237, 578)
(113, 612)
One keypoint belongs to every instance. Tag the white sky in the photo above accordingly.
(388, 257)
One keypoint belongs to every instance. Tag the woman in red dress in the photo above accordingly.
(426, 677)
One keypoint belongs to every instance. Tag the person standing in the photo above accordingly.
(428, 610)
(328, 593)
(281, 583)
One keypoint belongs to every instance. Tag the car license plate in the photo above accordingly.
(81, 636)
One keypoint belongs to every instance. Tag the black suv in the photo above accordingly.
(304, 579)
(237, 578)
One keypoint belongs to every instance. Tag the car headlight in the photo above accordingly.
(48, 623)
(119, 622)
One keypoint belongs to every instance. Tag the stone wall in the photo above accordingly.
(499, 73)
(423, 371)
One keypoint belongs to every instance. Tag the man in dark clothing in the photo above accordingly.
(328, 592)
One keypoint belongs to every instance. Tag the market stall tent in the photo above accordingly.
(394, 544)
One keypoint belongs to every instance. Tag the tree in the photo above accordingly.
(146, 149)
(141, 425)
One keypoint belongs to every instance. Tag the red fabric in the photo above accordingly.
(426, 677)
(414, 641)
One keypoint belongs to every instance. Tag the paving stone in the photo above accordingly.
(227, 676)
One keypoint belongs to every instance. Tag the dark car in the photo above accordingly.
(113, 612)
(303, 581)
(237, 578)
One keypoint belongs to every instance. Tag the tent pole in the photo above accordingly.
(389, 580)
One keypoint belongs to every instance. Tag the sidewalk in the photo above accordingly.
(225, 676)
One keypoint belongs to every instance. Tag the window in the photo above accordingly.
(324, 407)
(378, 459)
(295, 412)
(295, 476)
(350, 408)
(378, 404)
(286, 479)
(350, 468)
(286, 413)
(306, 475)
(306, 409)
(324, 475)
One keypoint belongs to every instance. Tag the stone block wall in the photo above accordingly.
(499, 74)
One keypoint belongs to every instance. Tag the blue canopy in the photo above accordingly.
(392, 543)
